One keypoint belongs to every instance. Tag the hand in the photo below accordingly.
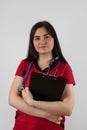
(59, 119)
(27, 96)
(54, 119)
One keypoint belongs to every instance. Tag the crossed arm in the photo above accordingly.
(18, 102)
(57, 108)
(48, 110)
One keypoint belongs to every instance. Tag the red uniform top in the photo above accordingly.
(35, 123)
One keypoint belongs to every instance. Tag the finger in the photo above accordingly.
(60, 118)
(58, 122)
(26, 88)
(24, 91)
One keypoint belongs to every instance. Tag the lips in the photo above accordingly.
(42, 46)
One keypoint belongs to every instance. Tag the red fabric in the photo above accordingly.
(28, 122)
(64, 71)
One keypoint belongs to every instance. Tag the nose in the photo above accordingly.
(42, 40)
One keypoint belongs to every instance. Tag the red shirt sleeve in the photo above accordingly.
(68, 75)
(21, 70)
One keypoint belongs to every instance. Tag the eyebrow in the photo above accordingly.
(42, 35)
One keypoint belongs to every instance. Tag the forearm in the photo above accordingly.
(55, 108)
(21, 105)
(18, 103)
(15, 100)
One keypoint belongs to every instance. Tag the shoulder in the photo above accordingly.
(22, 67)
(67, 72)
(24, 63)
(64, 66)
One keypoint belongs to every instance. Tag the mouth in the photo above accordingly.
(42, 46)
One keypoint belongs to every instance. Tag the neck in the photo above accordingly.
(44, 61)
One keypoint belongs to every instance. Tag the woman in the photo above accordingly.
(32, 114)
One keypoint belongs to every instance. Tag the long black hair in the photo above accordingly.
(32, 54)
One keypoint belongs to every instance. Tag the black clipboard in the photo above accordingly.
(45, 87)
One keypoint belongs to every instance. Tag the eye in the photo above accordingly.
(36, 38)
(47, 36)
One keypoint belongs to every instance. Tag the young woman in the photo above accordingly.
(32, 114)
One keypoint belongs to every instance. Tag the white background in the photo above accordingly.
(69, 17)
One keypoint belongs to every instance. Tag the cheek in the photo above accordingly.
(35, 46)
(52, 44)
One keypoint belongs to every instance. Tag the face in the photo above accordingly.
(43, 42)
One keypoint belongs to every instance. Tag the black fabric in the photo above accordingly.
(46, 69)
(17, 114)
(62, 125)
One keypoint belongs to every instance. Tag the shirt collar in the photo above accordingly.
(46, 69)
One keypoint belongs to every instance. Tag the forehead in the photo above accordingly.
(41, 31)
